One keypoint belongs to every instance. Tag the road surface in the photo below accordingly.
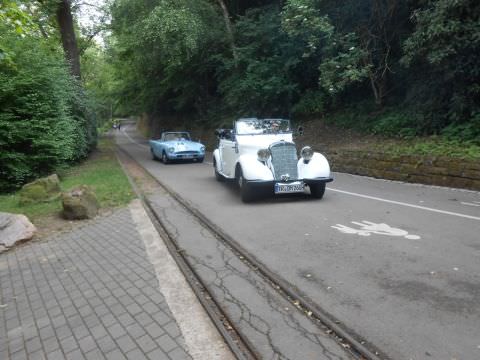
(396, 264)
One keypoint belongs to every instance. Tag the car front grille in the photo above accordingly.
(284, 160)
(186, 152)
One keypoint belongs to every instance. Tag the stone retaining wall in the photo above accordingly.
(442, 171)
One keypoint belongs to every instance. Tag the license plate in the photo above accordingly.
(289, 188)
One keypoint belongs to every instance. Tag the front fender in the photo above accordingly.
(216, 159)
(317, 167)
(253, 169)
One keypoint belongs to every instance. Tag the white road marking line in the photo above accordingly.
(133, 141)
(406, 204)
(475, 203)
(366, 196)
(201, 337)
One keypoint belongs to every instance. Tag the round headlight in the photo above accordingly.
(172, 149)
(263, 154)
(202, 149)
(307, 153)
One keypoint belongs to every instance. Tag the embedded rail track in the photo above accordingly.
(238, 343)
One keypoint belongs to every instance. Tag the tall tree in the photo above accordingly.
(228, 26)
(69, 40)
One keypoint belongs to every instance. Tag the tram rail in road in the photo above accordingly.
(240, 344)
(395, 262)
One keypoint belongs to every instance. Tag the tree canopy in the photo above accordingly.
(47, 119)
(399, 68)
(217, 59)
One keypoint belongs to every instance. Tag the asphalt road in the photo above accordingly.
(396, 263)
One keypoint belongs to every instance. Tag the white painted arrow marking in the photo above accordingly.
(368, 228)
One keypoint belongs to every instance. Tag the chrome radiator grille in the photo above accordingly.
(284, 160)
(186, 152)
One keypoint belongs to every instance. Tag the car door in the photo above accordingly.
(229, 153)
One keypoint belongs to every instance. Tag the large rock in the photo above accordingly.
(41, 190)
(15, 228)
(79, 203)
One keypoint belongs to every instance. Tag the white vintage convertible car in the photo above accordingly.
(259, 154)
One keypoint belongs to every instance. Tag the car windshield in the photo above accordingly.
(176, 136)
(262, 126)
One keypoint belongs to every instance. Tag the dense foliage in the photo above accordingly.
(396, 67)
(392, 67)
(46, 119)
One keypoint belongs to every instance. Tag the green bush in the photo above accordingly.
(395, 124)
(44, 121)
(311, 103)
(469, 132)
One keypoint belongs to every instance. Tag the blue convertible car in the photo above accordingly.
(174, 146)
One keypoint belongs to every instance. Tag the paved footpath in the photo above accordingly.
(106, 290)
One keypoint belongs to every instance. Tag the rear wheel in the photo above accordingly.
(246, 192)
(317, 190)
(165, 158)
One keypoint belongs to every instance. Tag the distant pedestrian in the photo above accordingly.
(119, 125)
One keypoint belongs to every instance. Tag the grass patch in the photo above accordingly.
(434, 147)
(399, 133)
(101, 171)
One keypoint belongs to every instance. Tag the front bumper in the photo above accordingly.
(173, 156)
(269, 185)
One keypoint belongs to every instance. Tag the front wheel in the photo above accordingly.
(246, 192)
(317, 190)
(165, 159)
(218, 176)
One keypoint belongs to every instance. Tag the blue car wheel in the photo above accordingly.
(165, 159)
(154, 157)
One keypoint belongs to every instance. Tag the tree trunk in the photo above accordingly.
(69, 41)
(228, 25)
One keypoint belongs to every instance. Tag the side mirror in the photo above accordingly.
(300, 130)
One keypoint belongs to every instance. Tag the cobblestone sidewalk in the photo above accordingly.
(88, 294)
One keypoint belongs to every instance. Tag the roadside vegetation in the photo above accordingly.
(48, 116)
(101, 171)
(401, 69)
(405, 71)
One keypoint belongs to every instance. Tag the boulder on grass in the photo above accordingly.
(15, 228)
(41, 190)
(79, 203)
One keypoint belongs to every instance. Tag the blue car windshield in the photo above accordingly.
(262, 126)
(175, 136)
